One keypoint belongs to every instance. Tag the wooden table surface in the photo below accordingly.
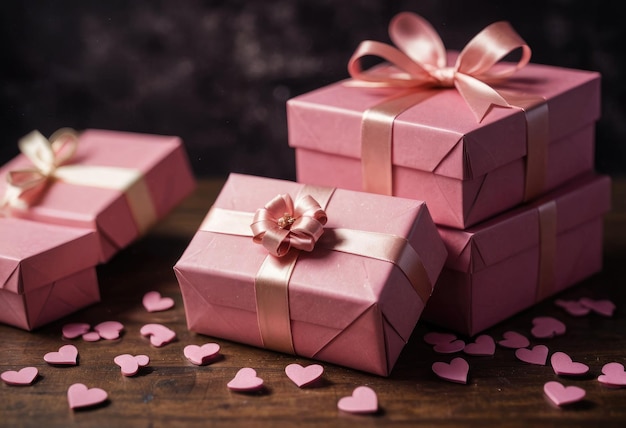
(501, 390)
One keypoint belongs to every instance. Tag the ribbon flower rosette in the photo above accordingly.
(281, 225)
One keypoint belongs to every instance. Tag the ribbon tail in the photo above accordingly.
(479, 96)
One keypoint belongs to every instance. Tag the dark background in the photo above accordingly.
(218, 73)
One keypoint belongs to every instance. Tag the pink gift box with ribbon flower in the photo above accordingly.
(46, 272)
(116, 183)
(323, 273)
(507, 264)
(472, 140)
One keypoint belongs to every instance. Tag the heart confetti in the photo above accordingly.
(304, 376)
(24, 376)
(483, 345)
(573, 307)
(455, 371)
(154, 302)
(514, 340)
(245, 380)
(547, 327)
(201, 355)
(130, 364)
(109, 330)
(91, 336)
(66, 355)
(74, 330)
(159, 334)
(362, 400)
(537, 355)
(561, 395)
(601, 307)
(78, 395)
(562, 364)
(613, 374)
(435, 338)
(450, 347)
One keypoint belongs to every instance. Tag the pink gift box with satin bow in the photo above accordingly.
(418, 128)
(46, 272)
(116, 183)
(352, 300)
(507, 264)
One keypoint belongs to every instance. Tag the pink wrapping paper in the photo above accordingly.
(492, 268)
(46, 272)
(338, 302)
(466, 171)
(166, 174)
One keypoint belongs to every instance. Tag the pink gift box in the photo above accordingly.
(338, 301)
(494, 269)
(46, 272)
(465, 170)
(165, 178)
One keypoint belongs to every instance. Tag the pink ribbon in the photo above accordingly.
(281, 225)
(421, 61)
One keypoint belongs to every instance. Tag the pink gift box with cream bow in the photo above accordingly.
(472, 140)
(512, 261)
(116, 183)
(319, 274)
(46, 272)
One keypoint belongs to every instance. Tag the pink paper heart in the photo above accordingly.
(91, 336)
(562, 364)
(74, 330)
(303, 376)
(561, 395)
(66, 355)
(450, 347)
(435, 338)
(109, 330)
(78, 395)
(573, 307)
(24, 376)
(201, 355)
(245, 380)
(547, 327)
(455, 371)
(362, 400)
(613, 374)
(154, 302)
(483, 345)
(514, 340)
(130, 364)
(159, 334)
(537, 355)
(601, 307)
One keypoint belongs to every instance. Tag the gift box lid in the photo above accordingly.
(353, 283)
(33, 254)
(513, 232)
(440, 134)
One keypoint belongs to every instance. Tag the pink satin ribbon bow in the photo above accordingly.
(281, 225)
(420, 61)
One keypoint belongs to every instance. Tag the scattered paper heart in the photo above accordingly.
(245, 380)
(573, 307)
(455, 371)
(514, 340)
(130, 364)
(109, 330)
(562, 364)
(74, 330)
(66, 355)
(561, 395)
(547, 327)
(304, 376)
(159, 334)
(435, 338)
(24, 376)
(537, 355)
(450, 347)
(201, 355)
(91, 336)
(362, 400)
(613, 375)
(483, 345)
(78, 395)
(154, 302)
(601, 307)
